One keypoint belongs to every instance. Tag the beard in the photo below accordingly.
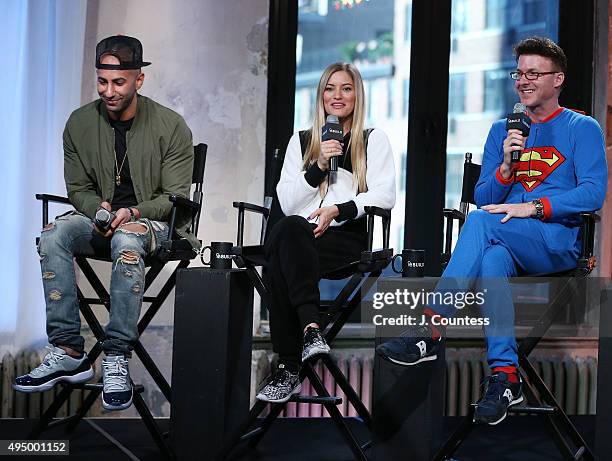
(122, 105)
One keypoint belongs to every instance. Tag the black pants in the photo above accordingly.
(296, 261)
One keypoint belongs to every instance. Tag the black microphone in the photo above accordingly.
(332, 130)
(518, 120)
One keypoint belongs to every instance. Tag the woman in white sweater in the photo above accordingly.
(324, 227)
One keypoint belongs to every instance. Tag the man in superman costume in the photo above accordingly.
(527, 222)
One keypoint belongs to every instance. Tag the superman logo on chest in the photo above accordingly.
(536, 164)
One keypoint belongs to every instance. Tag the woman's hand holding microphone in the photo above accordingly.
(331, 148)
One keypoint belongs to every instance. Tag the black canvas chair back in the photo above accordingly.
(271, 199)
(197, 179)
(175, 249)
(335, 313)
(471, 173)
(540, 399)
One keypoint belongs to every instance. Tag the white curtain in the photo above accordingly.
(41, 63)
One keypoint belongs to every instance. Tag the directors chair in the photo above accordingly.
(174, 249)
(540, 400)
(334, 314)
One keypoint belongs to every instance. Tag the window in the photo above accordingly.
(534, 11)
(405, 96)
(496, 14)
(460, 15)
(403, 165)
(408, 22)
(499, 94)
(390, 97)
(456, 93)
(485, 94)
(364, 33)
(369, 97)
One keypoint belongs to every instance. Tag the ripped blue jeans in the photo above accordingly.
(73, 234)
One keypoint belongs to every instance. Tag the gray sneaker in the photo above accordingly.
(56, 366)
(117, 392)
(282, 385)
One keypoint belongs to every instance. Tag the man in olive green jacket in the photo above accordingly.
(124, 155)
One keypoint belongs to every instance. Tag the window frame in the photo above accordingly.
(582, 35)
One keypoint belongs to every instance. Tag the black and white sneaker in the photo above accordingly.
(117, 392)
(500, 394)
(414, 346)
(314, 344)
(56, 366)
(282, 385)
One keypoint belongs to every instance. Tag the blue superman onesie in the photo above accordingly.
(564, 165)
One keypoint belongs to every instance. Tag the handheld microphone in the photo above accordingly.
(332, 130)
(103, 219)
(518, 120)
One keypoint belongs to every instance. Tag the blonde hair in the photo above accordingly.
(356, 143)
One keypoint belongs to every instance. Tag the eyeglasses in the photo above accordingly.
(517, 74)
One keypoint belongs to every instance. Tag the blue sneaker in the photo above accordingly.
(117, 391)
(411, 347)
(500, 394)
(57, 366)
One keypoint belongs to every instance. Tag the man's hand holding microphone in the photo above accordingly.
(518, 125)
(107, 221)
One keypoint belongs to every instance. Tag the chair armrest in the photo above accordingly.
(251, 254)
(369, 256)
(590, 216)
(450, 215)
(184, 202)
(587, 261)
(376, 211)
(46, 198)
(242, 206)
(375, 260)
(371, 212)
(453, 214)
(252, 207)
(53, 198)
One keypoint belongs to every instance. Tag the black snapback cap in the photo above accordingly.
(128, 50)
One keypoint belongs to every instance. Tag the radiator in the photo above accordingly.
(573, 382)
(20, 405)
(357, 369)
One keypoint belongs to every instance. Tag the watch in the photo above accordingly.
(132, 214)
(539, 206)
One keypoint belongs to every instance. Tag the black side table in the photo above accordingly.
(211, 360)
(407, 401)
(603, 429)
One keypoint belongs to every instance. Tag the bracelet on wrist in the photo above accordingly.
(539, 207)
